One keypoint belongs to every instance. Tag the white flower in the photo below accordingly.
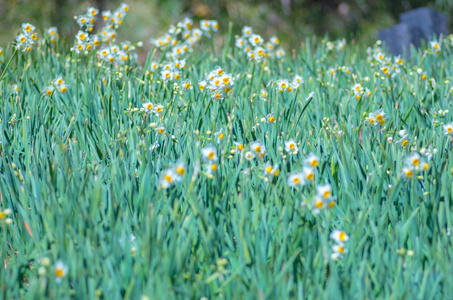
(296, 179)
(339, 236)
(324, 191)
(209, 153)
(312, 160)
(291, 146)
(148, 106)
(60, 271)
(448, 129)
(339, 249)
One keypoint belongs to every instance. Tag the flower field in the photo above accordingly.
(240, 170)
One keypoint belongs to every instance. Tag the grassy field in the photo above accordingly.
(212, 172)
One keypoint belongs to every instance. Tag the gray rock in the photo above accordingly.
(399, 38)
(428, 20)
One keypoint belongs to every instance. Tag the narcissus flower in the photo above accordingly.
(339, 236)
(291, 146)
(312, 160)
(448, 129)
(209, 153)
(60, 271)
(296, 179)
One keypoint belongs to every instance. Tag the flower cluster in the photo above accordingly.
(413, 164)
(218, 83)
(85, 42)
(307, 174)
(27, 38)
(359, 91)
(338, 45)
(114, 54)
(376, 118)
(254, 46)
(52, 34)
(171, 71)
(323, 198)
(338, 249)
(289, 86)
(181, 38)
(116, 18)
(172, 175)
(56, 84)
(209, 155)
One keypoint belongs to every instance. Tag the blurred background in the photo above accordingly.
(291, 20)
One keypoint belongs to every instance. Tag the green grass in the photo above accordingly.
(68, 164)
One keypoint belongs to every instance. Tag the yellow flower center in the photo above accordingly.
(226, 80)
(319, 204)
(82, 36)
(187, 85)
(371, 121)
(159, 109)
(385, 70)
(49, 92)
(211, 155)
(342, 236)
(260, 52)
(257, 40)
(409, 173)
(415, 161)
(296, 181)
(161, 130)
(217, 96)
(450, 129)
(181, 170)
(34, 36)
(272, 119)
(221, 136)
(64, 90)
(310, 176)
(314, 163)
(149, 106)
(292, 146)
(269, 170)
(2, 215)
(326, 194)
(28, 28)
(283, 84)
(214, 167)
(59, 273)
(379, 117)
(111, 59)
(341, 249)
(425, 167)
(423, 77)
(177, 76)
(331, 204)
(22, 39)
(358, 97)
(264, 95)
(405, 142)
(258, 149)
(276, 173)
(168, 178)
(227, 89)
(240, 147)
